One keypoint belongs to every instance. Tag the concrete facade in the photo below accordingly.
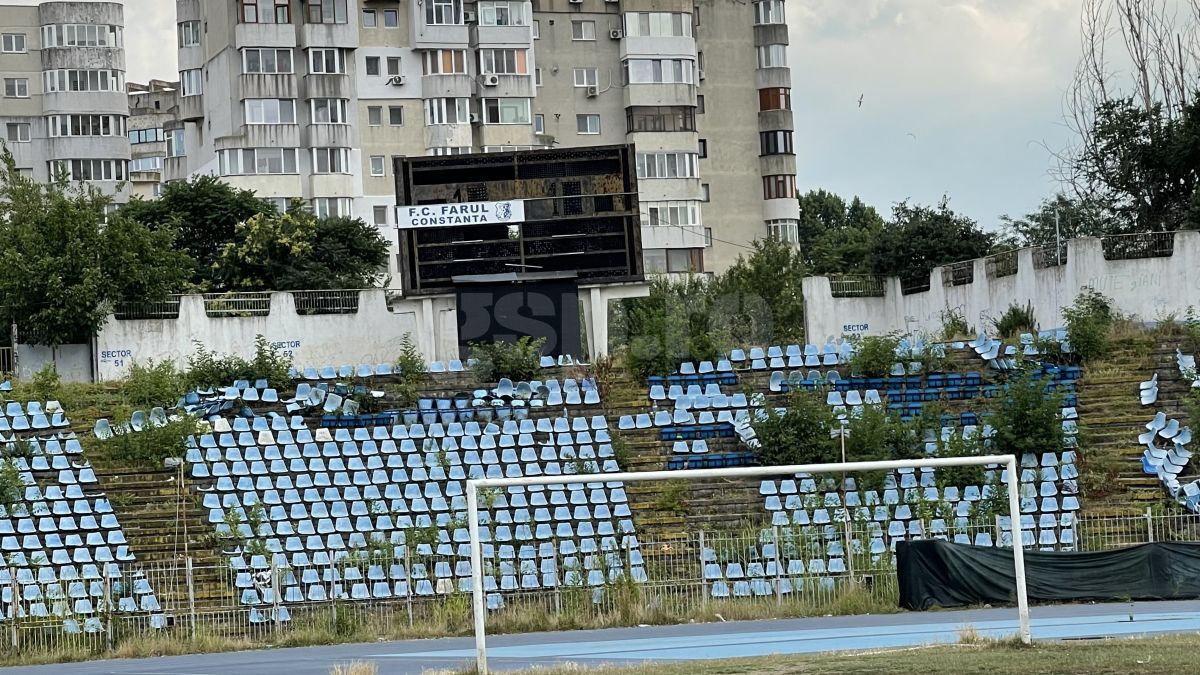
(453, 77)
(62, 92)
(1146, 288)
(153, 111)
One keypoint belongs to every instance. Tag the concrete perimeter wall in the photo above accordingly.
(1146, 288)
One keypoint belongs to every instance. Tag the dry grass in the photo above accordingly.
(355, 668)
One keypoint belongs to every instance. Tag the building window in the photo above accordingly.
(768, 11)
(84, 80)
(444, 62)
(270, 111)
(329, 111)
(12, 43)
(332, 207)
(16, 87)
(682, 261)
(506, 111)
(539, 123)
(660, 118)
(703, 148)
(391, 18)
(396, 115)
(142, 164)
(369, 18)
(375, 115)
(785, 230)
(502, 62)
(327, 11)
(377, 166)
(189, 33)
(453, 150)
(447, 111)
(667, 165)
(583, 30)
(705, 195)
(265, 11)
(372, 65)
(587, 124)
(267, 61)
(501, 13)
(89, 169)
(708, 238)
(659, 71)
(775, 98)
(700, 104)
(381, 215)
(138, 136)
(326, 62)
(779, 187)
(331, 160)
(443, 12)
(17, 132)
(85, 125)
(175, 145)
(393, 65)
(671, 214)
(537, 77)
(258, 161)
(772, 56)
(586, 77)
(658, 24)
(537, 29)
(775, 143)
(191, 82)
(82, 35)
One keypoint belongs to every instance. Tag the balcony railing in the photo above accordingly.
(6, 360)
(959, 273)
(1001, 265)
(1138, 246)
(858, 286)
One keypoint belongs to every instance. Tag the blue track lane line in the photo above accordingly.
(737, 645)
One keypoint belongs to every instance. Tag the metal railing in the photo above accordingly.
(858, 286)
(1138, 246)
(959, 273)
(7, 365)
(1051, 255)
(164, 309)
(917, 284)
(1001, 265)
(236, 304)
(326, 302)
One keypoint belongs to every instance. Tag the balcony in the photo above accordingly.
(258, 85)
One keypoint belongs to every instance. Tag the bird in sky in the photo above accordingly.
(914, 136)
(860, 99)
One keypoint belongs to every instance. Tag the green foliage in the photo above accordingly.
(875, 354)
(45, 383)
(672, 499)
(954, 324)
(205, 211)
(149, 447)
(209, 369)
(153, 384)
(958, 445)
(518, 360)
(672, 325)
(836, 236)
(63, 264)
(12, 486)
(1088, 321)
(920, 238)
(1016, 320)
(1026, 419)
(411, 363)
(759, 298)
(798, 435)
(1058, 219)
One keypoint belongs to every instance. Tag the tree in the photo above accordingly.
(798, 435)
(206, 212)
(760, 297)
(62, 267)
(671, 325)
(1060, 218)
(1025, 419)
(920, 238)
(834, 235)
(346, 253)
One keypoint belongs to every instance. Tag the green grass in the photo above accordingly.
(1142, 656)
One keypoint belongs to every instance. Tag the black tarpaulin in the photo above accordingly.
(936, 573)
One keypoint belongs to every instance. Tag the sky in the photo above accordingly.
(960, 97)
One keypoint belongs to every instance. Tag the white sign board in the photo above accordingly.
(463, 213)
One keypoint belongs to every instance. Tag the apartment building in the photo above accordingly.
(312, 99)
(63, 105)
(153, 116)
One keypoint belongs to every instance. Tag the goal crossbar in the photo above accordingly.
(474, 486)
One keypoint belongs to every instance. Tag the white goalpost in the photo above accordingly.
(474, 486)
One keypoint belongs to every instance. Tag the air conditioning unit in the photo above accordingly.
(474, 117)
(700, 73)
(593, 92)
(491, 80)
(616, 34)
(396, 80)
(468, 16)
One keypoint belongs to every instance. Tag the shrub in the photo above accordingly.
(875, 354)
(153, 384)
(1088, 321)
(954, 324)
(1016, 320)
(1025, 419)
(410, 365)
(673, 324)
(12, 486)
(958, 445)
(518, 360)
(148, 448)
(798, 435)
(45, 383)
(209, 369)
